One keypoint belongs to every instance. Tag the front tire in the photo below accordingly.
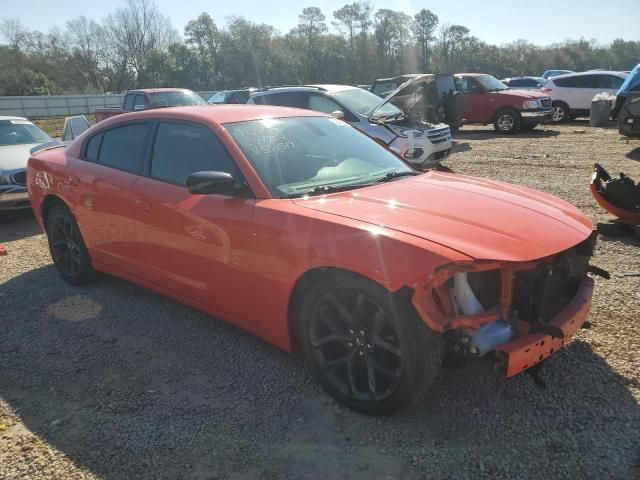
(67, 247)
(560, 112)
(507, 121)
(365, 346)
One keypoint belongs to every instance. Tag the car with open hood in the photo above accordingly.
(432, 96)
(297, 227)
(487, 100)
(18, 136)
(401, 127)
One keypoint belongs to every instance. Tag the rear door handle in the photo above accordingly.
(143, 204)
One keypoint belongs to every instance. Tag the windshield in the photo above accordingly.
(175, 99)
(364, 102)
(491, 83)
(20, 132)
(296, 155)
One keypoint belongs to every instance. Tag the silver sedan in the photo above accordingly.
(17, 137)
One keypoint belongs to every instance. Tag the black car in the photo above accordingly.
(524, 83)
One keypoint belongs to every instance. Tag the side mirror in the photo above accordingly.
(209, 183)
(476, 89)
(339, 114)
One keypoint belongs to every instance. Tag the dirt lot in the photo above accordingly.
(112, 381)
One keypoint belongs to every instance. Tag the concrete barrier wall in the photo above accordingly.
(62, 105)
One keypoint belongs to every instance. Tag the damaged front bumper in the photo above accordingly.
(527, 351)
(521, 311)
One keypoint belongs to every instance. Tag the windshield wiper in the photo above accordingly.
(322, 189)
(391, 175)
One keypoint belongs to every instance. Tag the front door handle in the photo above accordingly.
(143, 204)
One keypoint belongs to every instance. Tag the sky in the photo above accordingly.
(497, 22)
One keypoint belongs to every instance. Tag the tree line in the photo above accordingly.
(136, 46)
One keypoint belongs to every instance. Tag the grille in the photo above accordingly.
(440, 135)
(545, 103)
(20, 178)
(542, 293)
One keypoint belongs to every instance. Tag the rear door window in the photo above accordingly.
(610, 81)
(123, 147)
(182, 149)
(287, 99)
(588, 81)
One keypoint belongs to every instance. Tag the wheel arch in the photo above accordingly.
(50, 201)
(502, 109)
(308, 279)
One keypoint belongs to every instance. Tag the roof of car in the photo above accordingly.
(472, 74)
(158, 90)
(8, 117)
(223, 113)
(333, 88)
(523, 77)
(591, 72)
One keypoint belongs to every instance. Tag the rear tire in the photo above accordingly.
(507, 121)
(365, 346)
(67, 247)
(561, 112)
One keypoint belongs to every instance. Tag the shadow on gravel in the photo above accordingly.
(585, 122)
(459, 147)
(634, 154)
(18, 225)
(471, 134)
(129, 384)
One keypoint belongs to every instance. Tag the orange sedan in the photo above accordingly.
(300, 229)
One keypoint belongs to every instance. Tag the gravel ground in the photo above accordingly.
(112, 381)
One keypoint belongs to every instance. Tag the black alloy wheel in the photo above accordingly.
(354, 342)
(67, 247)
(366, 346)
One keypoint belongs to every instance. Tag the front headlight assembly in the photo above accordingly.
(531, 104)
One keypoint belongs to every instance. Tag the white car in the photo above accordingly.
(571, 94)
(17, 137)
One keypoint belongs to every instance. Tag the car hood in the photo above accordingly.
(15, 157)
(526, 94)
(407, 94)
(480, 218)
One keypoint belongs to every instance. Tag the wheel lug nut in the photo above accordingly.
(351, 332)
(360, 353)
(369, 346)
(350, 344)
